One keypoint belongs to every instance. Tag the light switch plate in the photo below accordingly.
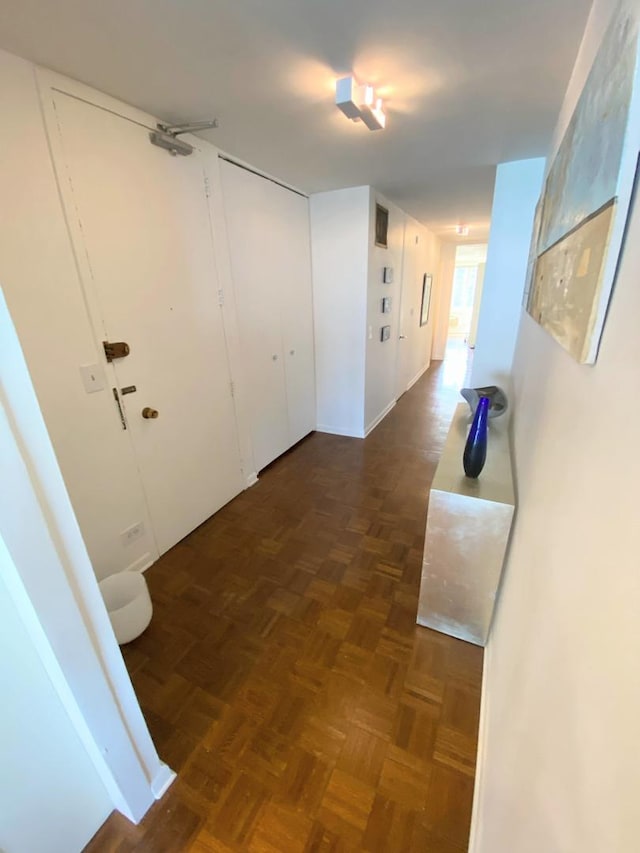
(92, 377)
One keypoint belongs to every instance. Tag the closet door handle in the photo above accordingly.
(292, 352)
(274, 357)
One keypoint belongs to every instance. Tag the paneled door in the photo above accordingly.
(141, 228)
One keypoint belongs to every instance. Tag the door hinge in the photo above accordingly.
(233, 389)
(207, 188)
(221, 297)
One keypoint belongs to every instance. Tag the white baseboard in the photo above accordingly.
(336, 430)
(351, 433)
(418, 375)
(476, 819)
(383, 414)
(252, 479)
(141, 564)
(162, 781)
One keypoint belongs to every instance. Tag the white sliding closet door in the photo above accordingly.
(269, 243)
(141, 229)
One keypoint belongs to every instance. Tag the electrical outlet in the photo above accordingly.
(136, 531)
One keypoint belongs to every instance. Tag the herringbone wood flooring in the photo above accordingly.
(283, 676)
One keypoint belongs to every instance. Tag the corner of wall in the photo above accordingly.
(516, 194)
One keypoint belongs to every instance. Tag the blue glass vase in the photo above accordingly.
(475, 450)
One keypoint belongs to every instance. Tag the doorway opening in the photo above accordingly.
(464, 309)
(466, 295)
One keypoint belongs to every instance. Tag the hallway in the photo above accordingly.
(283, 675)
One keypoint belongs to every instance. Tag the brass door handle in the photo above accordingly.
(149, 413)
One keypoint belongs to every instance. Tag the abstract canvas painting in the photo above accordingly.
(581, 217)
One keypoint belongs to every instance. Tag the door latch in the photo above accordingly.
(115, 349)
(116, 397)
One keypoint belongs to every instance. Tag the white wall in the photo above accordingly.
(477, 302)
(52, 575)
(559, 761)
(356, 373)
(381, 356)
(421, 255)
(516, 194)
(51, 797)
(339, 259)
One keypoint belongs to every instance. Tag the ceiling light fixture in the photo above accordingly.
(462, 230)
(360, 103)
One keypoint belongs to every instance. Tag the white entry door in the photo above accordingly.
(141, 218)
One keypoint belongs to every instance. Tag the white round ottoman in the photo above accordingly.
(126, 597)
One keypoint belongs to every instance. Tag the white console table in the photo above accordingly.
(468, 524)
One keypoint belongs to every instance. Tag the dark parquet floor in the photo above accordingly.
(284, 677)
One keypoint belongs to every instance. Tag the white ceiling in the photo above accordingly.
(467, 83)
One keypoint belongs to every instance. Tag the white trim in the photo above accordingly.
(418, 375)
(383, 414)
(336, 430)
(162, 781)
(25, 610)
(242, 164)
(141, 564)
(350, 433)
(475, 831)
(48, 80)
(235, 350)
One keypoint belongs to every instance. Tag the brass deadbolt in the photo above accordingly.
(149, 413)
